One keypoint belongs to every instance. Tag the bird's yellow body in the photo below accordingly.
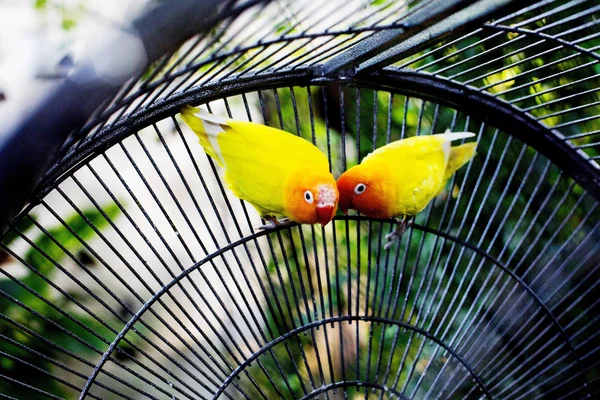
(402, 177)
(270, 168)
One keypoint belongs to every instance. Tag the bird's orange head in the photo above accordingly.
(363, 190)
(312, 198)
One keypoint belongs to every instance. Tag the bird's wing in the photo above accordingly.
(418, 146)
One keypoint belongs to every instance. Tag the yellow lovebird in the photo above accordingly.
(402, 177)
(280, 174)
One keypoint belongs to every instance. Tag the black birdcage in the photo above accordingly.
(132, 272)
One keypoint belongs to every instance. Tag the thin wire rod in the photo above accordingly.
(559, 250)
(535, 18)
(219, 320)
(51, 361)
(483, 235)
(217, 214)
(172, 283)
(268, 275)
(142, 86)
(468, 268)
(502, 362)
(335, 247)
(370, 319)
(576, 289)
(106, 114)
(32, 388)
(70, 317)
(545, 78)
(555, 88)
(387, 294)
(116, 314)
(566, 111)
(506, 297)
(294, 296)
(425, 274)
(189, 69)
(311, 113)
(169, 249)
(561, 99)
(563, 44)
(192, 257)
(470, 232)
(525, 33)
(167, 75)
(140, 279)
(452, 216)
(570, 394)
(74, 279)
(353, 34)
(502, 289)
(143, 281)
(74, 258)
(541, 67)
(281, 328)
(457, 338)
(241, 268)
(287, 304)
(328, 29)
(542, 383)
(238, 52)
(428, 284)
(451, 43)
(59, 348)
(318, 10)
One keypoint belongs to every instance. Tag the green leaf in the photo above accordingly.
(40, 4)
(68, 23)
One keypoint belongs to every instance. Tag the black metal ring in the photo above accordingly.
(344, 384)
(246, 239)
(344, 318)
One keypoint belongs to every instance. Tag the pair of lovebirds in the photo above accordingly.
(283, 175)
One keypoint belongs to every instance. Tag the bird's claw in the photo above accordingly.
(401, 226)
(389, 244)
(391, 236)
(275, 223)
(266, 227)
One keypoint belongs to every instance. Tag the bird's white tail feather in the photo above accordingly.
(450, 136)
(206, 116)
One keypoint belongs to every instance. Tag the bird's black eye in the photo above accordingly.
(308, 196)
(360, 188)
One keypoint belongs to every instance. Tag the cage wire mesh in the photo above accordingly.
(134, 273)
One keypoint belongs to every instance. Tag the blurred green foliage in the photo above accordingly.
(38, 295)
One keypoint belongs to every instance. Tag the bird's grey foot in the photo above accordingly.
(396, 234)
(275, 223)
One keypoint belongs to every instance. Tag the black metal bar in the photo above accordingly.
(461, 21)
(423, 16)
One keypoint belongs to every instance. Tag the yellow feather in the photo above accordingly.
(259, 161)
(188, 114)
(417, 168)
(459, 156)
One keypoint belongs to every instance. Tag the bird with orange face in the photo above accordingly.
(280, 174)
(402, 177)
